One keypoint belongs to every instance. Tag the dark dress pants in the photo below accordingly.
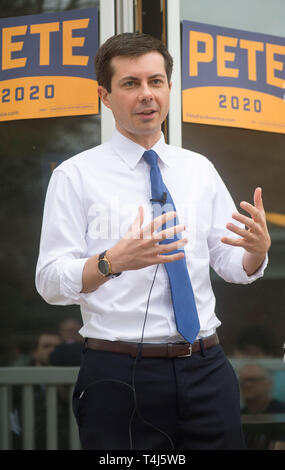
(181, 403)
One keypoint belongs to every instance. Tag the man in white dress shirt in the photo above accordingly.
(140, 385)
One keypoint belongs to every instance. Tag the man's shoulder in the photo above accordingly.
(82, 161)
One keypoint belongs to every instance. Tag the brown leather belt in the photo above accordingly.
(153, 349)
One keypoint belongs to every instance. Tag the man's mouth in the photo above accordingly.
(147, 112)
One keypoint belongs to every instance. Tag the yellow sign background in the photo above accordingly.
(233, 78)
(240, 108)
(47, 66)
(51, 96)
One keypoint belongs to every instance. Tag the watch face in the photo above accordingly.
(103, 267)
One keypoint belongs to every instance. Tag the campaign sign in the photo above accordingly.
(233, 78)
(47, 65)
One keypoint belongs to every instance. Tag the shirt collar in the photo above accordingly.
(131, 152)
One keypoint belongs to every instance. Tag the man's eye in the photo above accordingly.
(156, 81)
(129, 83)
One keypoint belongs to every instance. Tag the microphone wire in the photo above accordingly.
(138, 356)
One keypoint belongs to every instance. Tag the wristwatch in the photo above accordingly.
(104, 266)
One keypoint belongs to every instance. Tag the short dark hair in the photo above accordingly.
(127, 44)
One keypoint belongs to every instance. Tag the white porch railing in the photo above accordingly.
(26, 378)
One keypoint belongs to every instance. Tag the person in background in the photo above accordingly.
(68, 352)
(45, 344)
(69, 331)
(257, 341)
(256, 392)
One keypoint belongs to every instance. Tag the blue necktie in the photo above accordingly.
(183, 301)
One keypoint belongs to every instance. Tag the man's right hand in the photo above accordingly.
(138, 249)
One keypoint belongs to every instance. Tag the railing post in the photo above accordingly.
(51, 401)
(4, 418)
(28, 418)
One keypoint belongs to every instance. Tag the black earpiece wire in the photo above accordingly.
(132, 385)
(138, 356)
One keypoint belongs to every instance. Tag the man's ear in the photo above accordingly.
(104, 96)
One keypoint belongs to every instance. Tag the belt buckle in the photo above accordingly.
(189, 353)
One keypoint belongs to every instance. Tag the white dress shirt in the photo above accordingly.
(91, 201)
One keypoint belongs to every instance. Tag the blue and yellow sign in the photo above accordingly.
(47, 66)
(233, 78)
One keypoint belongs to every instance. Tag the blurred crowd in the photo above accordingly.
(59, 347)
(262, 390)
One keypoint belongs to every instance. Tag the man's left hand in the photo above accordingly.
(255, 239)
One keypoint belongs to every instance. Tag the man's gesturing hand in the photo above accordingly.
(140, 247)
(256, 240)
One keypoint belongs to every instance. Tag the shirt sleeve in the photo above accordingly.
(227, 260)
(62, 253)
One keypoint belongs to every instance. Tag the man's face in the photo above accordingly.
(254, 383)
(139, 97)
(46, 345)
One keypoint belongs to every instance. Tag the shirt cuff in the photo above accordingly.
(71, 278)
(237, 260)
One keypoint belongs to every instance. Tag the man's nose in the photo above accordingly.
(145, 93)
